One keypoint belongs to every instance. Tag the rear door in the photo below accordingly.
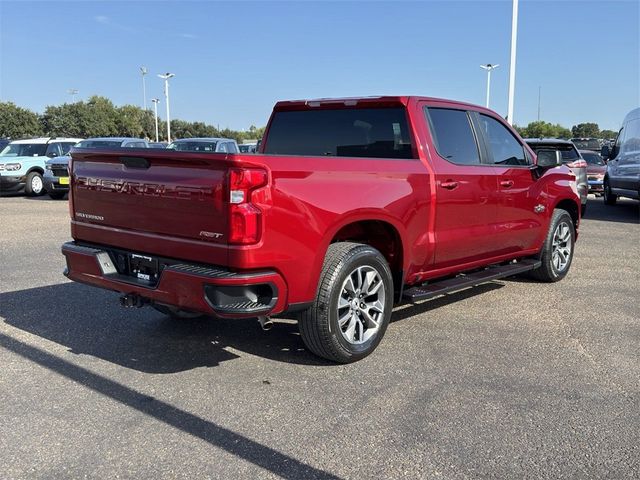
(628, 174)
(465, 189)
(151, 192)
(517, 225)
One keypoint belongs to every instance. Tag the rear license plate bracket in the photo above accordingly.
(143, 267)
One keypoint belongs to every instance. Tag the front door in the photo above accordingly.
(465, 190)
(518, 216)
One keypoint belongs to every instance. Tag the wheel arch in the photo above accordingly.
(572, 208)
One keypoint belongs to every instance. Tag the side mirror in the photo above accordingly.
(548, 158)
(605, 152)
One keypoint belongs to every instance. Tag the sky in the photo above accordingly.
(233, 60)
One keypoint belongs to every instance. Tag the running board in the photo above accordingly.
(462, 281)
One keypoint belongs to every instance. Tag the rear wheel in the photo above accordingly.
(557, 251)
(609, 198)
(34, 185)
(353, 305)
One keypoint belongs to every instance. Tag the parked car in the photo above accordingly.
(593, 144)
(622, 178)
(158, 144)
(351, 206)
(56, 175)
(209, 145)
(23, 163)
(596, 168)
(248, 147)
(3, 143)
(571, 158)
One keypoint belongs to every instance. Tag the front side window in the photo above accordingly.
(503, 146)
(53, 150)
(453, 135)
(24, 150)
(66, 146)
(347, 132)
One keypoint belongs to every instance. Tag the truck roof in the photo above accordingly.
(374, 101)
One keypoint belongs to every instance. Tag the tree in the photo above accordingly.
(585, 130)
(608, 134)
(17, 122)
(543, 129)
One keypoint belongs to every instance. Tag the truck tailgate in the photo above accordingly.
(165, 193)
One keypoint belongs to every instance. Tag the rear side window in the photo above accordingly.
(356, 132)
(504, 147)
(453, 135)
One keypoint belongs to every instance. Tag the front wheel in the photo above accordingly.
(353, 305)
(557, 251)
(609, 197)
(34, 185)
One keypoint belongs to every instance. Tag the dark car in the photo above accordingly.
(622, 178)
(592, 144)
(158, 144)
(3, 143)
(596, 168)
(571, 158)
(56, 175)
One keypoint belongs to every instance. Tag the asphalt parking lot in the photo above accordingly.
(514, 379)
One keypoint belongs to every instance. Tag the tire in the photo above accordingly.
(609, 197)
(56, 195)
(344, 324)
(34, 185)
(558, 245)
(176, 313)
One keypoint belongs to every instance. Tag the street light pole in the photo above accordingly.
(155, 115)
(143, 71)
(512, 64)
(488, 67)
(73, 92)
(166, 78)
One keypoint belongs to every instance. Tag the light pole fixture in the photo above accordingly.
(73, 92)
(512, 63)
(155, 114)
(166, 78)
(489, 67)
(143, 71)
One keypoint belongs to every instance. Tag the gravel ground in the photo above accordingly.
(514, 379)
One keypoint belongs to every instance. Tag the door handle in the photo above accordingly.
(506, 183)
(449, 184)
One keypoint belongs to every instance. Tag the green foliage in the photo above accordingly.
(99, 117)
(17, 122)
(586, 130)
(608, 134)
(543, 129)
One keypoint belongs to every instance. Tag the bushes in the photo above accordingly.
(99, 117)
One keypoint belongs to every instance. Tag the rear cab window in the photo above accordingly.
(453, 135)
(341, 132)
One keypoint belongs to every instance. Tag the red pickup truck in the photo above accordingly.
(349, 207)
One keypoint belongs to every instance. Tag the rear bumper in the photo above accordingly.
(208, 289)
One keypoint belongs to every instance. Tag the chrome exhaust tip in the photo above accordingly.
(265, 323)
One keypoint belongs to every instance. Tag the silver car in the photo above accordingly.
(571, 158)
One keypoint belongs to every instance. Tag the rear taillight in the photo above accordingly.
(577, 164)
(246, 196)
(69, 170)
